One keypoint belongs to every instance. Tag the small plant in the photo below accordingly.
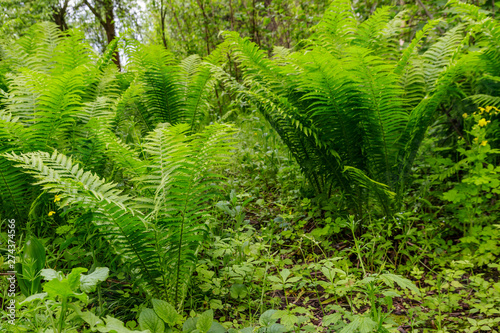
(481, 178)
(28, 271)
(58, 309)
(164, 318)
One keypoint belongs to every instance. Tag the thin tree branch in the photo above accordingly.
(428, 13)
(94, 11)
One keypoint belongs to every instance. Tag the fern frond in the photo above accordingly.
(130, 106)
(440, 54)
(14, 190)
(14, 185)
(38, 49)
(25, 89)
(485, 100)
(106, 58)
(71, 52)
(338, 24)
(472, 11)
(370, 32)
(420, 118)
(160, 77)
(378, 190)
(384, 117)
(199, 82)
(331, 96)
(57, 107)
(184, 184)
(82, 190)
(415, 43)
(14, 135)
(254, 60)
(412, 80)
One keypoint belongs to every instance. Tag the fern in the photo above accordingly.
(339, 107)
(486, 62)
(198, 81)
(118, 223)
(178, 191)
(410, 51)
(55, 93)
(160, 77)
(57, 107)
(14, 188)
(440, 54)
(184, 185)
(370, 33)
(337, 26)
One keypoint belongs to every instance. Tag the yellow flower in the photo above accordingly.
(484, 143)
(465, 115)
(475, 139)
(51, 213)
(57, 198)
(490, 108)
(482, 122)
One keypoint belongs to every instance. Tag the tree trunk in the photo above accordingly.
(107, 22)
(59, 15)
(163, 14)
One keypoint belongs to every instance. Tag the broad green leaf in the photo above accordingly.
(165, 311)
(329, 273)
(276, 328)
(189, 325)
(332, 319)
(294, 279)
(49, 274)
(274, 279)
(114, 325)
(89, 282)
(285, 274)
(149, 320)
(238, 290)
(360, 324)
(289, 320)
(55, 288)
(31, 298)
(402, 282)
(74, 277)
(266, 318)
(91, 319)
(216, 328)
(205, 321)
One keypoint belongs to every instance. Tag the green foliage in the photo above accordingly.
(169, 91)
(59, 307)
(55, 90)
(181, 187)
(208, 229)
(28, 271)
(340, 108)
(479, 181)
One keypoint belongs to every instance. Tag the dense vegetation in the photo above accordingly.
(313, 167)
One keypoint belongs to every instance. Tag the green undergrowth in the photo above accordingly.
(279, 259)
